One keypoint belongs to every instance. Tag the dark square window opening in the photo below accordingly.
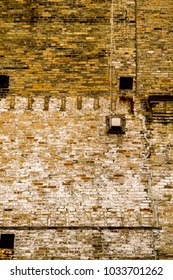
(6, 241)
(4, 82)
(126, 82)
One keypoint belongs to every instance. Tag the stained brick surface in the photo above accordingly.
(69, 190)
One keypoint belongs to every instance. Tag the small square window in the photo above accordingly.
(126, 82)
(6, 241)
(4, 82)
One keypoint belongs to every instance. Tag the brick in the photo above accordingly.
(69, 184)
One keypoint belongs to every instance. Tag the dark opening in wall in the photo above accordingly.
(160, 108)
(4, 82)
(6, 241)
(4, 85)
(126, 82)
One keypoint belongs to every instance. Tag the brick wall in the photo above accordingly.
(70, 190)
(154, 39)
(56, 47)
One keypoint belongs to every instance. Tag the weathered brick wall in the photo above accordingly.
(56, 47)
(154, 39)
(154, 75)
(83, 244)
(68, 189)
(6, 254)
(62, 168)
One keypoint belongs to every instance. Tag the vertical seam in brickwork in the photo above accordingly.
(136, 46)
(156, 213)
(147, 154)
(154, 245)
(155, 206)
(111, 48)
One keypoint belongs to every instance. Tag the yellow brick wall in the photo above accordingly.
(68, 189)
